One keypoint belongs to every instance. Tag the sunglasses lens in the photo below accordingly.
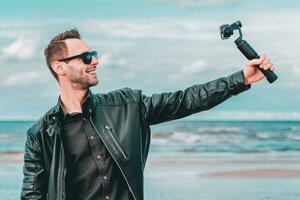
(87, 58)
(95, 54)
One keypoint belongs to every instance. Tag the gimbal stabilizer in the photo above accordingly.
(226, 31)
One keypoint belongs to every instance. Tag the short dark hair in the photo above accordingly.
(57, 48)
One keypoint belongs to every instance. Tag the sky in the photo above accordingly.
(154, 45)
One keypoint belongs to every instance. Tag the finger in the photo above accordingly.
(257, 61)
(268, 66)
(262, 57)
(272, 68)
(265, 62)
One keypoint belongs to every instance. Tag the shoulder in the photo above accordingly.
(120, 96)
(42, 122)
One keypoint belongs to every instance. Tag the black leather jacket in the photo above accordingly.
(122, 119)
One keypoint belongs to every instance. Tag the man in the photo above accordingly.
(95, 146)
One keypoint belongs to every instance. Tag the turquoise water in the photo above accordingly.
(198, 136)
(13, 135)
(182, 153)
(220, 136)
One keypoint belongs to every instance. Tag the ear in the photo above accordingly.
(59, 68)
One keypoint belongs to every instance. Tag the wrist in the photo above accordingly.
(246, 78)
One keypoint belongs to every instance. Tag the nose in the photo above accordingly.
(95, 61)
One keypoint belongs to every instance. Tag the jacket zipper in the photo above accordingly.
(62, 184)
(114, 159)
(114, 139)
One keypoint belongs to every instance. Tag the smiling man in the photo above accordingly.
(95, 146)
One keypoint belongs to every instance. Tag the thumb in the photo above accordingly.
(258, 61)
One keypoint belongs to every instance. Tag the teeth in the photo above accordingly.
(93, 71)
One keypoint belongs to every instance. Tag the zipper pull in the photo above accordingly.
(108, 127)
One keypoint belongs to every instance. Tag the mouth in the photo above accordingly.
(91, 71)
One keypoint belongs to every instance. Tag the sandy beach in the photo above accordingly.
(195, 176)
(257, 173)
(227, 177)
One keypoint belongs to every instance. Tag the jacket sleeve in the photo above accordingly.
(34, 181)
(174, 105)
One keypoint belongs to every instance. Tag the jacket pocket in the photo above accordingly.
(115, 144)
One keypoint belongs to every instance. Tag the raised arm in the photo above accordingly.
(174, 105)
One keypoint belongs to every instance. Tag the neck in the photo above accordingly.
(72, 99)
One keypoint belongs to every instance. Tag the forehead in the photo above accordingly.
(76, 46)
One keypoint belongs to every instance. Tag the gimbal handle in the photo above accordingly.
(250, 54)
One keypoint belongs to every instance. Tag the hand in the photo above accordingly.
(252, 74)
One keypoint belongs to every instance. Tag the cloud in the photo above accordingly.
(21, 49)
(195, 67)
(188, 70)
(115, 63)
(129, 75)
(296, 71)
(155, 29)
(108, 61)
(174, 77)
(25, 78)
(167, 43)
(163, 54)
(199, 3)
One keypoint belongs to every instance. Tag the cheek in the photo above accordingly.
(76, 71)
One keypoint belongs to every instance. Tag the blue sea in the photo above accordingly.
(227, 136)
(196, 136)
(195, 160)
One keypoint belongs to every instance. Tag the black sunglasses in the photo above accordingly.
(85, 56)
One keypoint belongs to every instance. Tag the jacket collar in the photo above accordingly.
(88, 107)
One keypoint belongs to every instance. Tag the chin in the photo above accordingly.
(94, 83)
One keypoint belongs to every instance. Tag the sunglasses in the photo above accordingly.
(85, 56)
